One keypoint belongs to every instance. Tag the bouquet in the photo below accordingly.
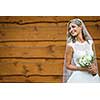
(85, 60)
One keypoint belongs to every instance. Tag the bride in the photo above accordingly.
(79, 43)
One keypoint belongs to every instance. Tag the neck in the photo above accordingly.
(80, 38)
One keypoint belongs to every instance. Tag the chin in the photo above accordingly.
(74, 35)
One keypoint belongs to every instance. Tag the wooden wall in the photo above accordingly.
(32, 48)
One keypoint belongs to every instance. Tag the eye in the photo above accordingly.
(73, 26)
(69, 28)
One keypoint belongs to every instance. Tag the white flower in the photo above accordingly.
(85, 60)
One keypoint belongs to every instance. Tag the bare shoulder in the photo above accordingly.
(69, 48)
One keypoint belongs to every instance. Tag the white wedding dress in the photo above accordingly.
(82, 76)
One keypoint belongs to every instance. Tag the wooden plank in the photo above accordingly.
(28, 19)
(35, 44)
(31, 79)
(36, 49)
(45, 79)
(45, 31)
(33, 52)
(31, 67)
(38, 43)
(31, 32)
(49, 51)
(12, 79)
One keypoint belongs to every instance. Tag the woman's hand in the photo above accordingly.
(93, 69)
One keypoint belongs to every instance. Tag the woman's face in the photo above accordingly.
(74, 29)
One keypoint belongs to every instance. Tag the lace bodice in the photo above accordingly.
(81, 49)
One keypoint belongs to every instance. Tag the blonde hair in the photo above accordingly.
(85, 33)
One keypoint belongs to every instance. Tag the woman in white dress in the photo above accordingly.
(79, 43)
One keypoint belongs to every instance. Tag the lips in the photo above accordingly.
(73, 32)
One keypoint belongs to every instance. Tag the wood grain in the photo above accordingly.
(31, 67)
(37, 49)
(44, 31)
(31, 79)
(28, 19)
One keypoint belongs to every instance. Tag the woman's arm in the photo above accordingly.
(69, 54)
